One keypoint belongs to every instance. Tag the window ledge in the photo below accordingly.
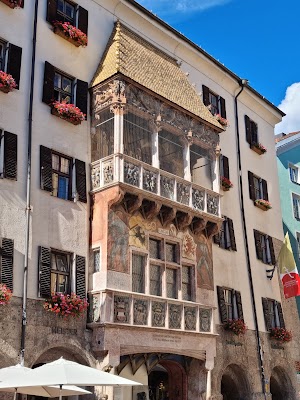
(262, 207)
(257, 150)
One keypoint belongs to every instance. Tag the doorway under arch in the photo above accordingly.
(280, 385)
(234, 384)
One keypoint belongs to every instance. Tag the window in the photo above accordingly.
(215, 102)
(170, 153)
(187, 283)
(61, 87)
(8, 155)
(258, 188)
(226, 238)
(230, 304)
(6, 262)
(97, 260)
(138, 272)
(296, 206)
(273, 314)
(294, 173)
(56, 273)
(10, 60)
(224, 167)
(200, 166)
(63, 176)
(264, 248)
(251, 131)
(67, 11)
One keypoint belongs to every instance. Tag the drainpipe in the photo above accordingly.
(242, 84)
(28, 190)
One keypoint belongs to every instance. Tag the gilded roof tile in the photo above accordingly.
(134, 57)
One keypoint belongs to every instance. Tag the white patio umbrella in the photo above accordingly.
(20, 372)
(63, 372)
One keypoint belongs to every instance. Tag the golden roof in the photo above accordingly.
(132, 56)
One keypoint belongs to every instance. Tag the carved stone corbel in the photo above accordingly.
(198, 225)
(187, 138)
(212, 228)
(150, 209)
(132, 202)
(183, 220)
(167, 215)
(118, 197)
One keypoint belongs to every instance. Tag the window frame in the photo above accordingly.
(69, 256)
(64, 15)
(224, 305)
(296, 206)
(61, 91)
(97, 251)
(62, 174)
(4, 55)
(273, 313)
(251, 128)
(261, 190)
(226, 237)
(138, 252)
(293, 167)
(264, 247)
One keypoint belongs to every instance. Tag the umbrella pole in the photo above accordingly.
(60, 393)
(15, 394)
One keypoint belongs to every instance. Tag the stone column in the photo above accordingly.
(216, 171)
(187, 141)
(155, 127)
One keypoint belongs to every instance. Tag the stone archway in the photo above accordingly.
(234, 384)
(280, 385)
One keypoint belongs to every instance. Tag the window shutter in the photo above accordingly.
(22, 3)
(44, 272)
(280, 315)
(257, 239)
(251, 186)
(83, 20)
(14, 62)
(205, 92)
(51, 11)
(81, 95)
(264, 189)
(225, 162)
(222, 305)
(248, 129)
(254, 137)
(10, 155)
(222, 107)
(265, 305)
(46, 168)
(80, 180)
(231, 234)
(239, 305)
(48, 88)
(273, 259)
(80, 277)
(7, 262)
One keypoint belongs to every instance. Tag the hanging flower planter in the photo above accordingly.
(66, 305)
(258, 148)
(7, 82)
(263, 204)
(70, 33)
(237, 326)
(281, 335)
(68, 112)
(223, 121)
(5, 294)
(226, 184)
(13, 3)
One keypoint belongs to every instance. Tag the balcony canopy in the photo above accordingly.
(135, 58)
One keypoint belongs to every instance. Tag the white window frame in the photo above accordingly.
(296, 203)
(293, 167)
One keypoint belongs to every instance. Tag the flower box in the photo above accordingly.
(226, 184)
(7, 82)
(263, 204)
(223, 121)
(281, 335)
(70, 33)
(12, 3)
(5, 294)
(237, 326)
(258, 148)
(66, 305)
(68, 112)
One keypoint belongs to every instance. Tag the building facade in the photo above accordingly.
(154, 205)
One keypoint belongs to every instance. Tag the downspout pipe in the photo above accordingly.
(242, 84)
(28, 190)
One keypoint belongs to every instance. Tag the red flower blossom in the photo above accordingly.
(5, 294)
(226, 182)
(69, 111)
(260, 147)
(237, 326)
(72, 32)
(281, 335)
(66, 305)
(7, 81)
(221, 120)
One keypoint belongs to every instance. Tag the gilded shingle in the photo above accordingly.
(131, 55)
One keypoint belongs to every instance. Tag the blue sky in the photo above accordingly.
(256, 39)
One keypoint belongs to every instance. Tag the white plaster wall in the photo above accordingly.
(140, 376)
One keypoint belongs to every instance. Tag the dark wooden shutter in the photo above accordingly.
(83, 18)
(248, 129)
(257, 239)
(22, 3)
(222, 305)
(7, 262)
(46, 168)
(222, 107)
(48, 88)
(231, 234)
(254, 137)
(44, 272)
(239, 306)
(251, 186)
(265, 305)
(81, 95)
(14, 62)
(280, 315)
(273, 259)
(205, 92)
(264, 189)
(10, 155)
(51, 11)
(80, 180)
(80, 277)
(225, 162)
